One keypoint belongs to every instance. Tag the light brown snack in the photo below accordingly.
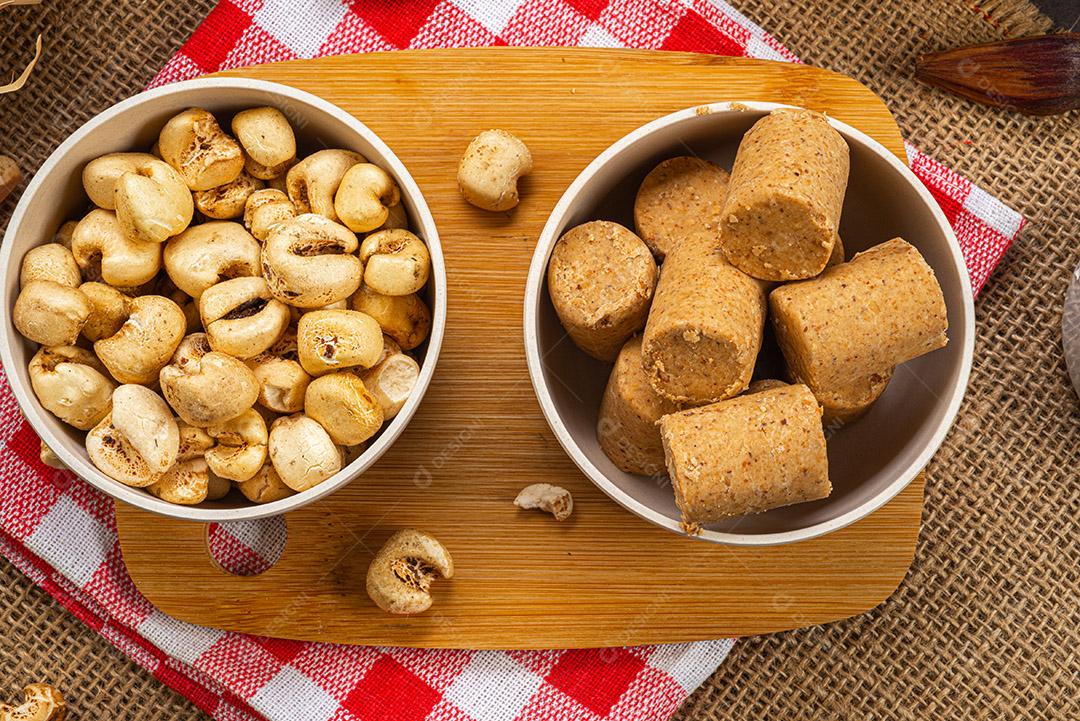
(705, 326)
(785, 196)
(629, 411)
(302, 452)
(399, 577)
(837, 256)
(145, 342)
(51, 314)
(746, 455)
(849, 402)
(555, 500)
(679, 197)
(227, 201)
(265, 486)
(765, 384)
(404, 318)
(41, 702)
(601, 279)
(72, 384)
(489, 171)
(860, 318)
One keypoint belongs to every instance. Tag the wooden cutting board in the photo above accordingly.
(605, 577)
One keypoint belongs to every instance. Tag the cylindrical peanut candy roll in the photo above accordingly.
(860, 318)
(747, 454)
(679, 197)
(629, 411)
(785, 196)
(853, 399)
(601, 279)
(705, 326)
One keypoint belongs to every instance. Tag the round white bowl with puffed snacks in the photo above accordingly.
(870, 460)
(56, 194)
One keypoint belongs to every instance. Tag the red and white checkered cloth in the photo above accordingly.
(62, 533)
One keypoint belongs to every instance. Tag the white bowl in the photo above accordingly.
(871, 460)
(56, 195)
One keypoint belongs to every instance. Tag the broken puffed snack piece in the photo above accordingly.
(72, 384)
(138, 441)
(265, 486)
(396, 262)
(313, 182)
(554, 499)
(364, 197)
(309, 261)
(194, 144)
(391, 382)
(404, 318)
(267, 138)
(489, 171)
(399, 577)
(49, 458)
(302, 452)
(51, 261)
(51, 314)
(227, 201)
(266, 208)
(41, 702)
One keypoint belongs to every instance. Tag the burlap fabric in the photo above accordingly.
(96, 53)
(987, 623)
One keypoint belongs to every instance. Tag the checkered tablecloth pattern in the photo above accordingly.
(62, 533)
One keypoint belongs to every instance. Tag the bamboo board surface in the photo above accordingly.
(605, 577)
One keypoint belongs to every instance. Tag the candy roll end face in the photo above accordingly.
(705, 326)
(785, 196)
(627, 427)
(746, 455)
(681, 196)
(601, 279)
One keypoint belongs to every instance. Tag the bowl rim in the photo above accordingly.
(424, 221)
(538, 270)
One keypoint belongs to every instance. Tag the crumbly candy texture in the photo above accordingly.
(705, 327)
(850, 401)
(601, 279)
(785, 196)
(679, 197)
(746, 455)
(627, 427)
(860, 318)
